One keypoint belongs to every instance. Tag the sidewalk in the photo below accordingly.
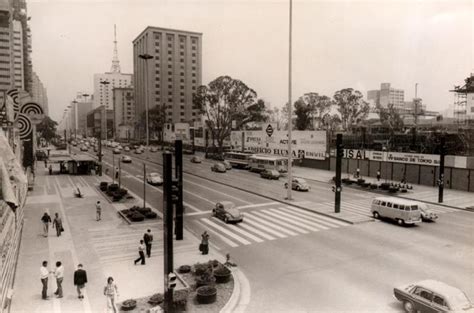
(105, 248)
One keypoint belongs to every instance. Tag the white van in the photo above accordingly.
(401, 210)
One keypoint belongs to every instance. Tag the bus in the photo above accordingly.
(238, 159)
(260, 162)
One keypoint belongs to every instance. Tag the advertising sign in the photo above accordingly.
(413, 158)
(305, 144)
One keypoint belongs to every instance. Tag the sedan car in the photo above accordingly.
(270, 174)
(126, 159)
(154, 179)
(138, 151)
(427, 215)
(126, 149)
(226, 211)
(298, 184)
(432, 296)
(153, 149)
(218, 167)
(84, 148)
(227, 165)
(196, 159)
(116, 151)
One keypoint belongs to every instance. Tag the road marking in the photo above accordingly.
(216, 191)
(258, 219)
(280, 220)
(313, 217)
(240, 231)
(198, 213)
(289, 219)
(225, 231)
(267, 229)
(257, 205)
(300, 219)
(256, 231)
(331, 220)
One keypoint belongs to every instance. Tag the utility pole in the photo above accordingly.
(146, 57)
(100, 152)
(178, 150)
(290, 111)
(144, 185)
(120, 174)
(168, 227)
(442, 152)
(337, 190)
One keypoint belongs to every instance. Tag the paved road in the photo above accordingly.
(296, 260)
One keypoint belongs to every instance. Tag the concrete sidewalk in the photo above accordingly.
(105, 248)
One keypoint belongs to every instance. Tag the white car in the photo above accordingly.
(126, 149)
(126, 159)
(154, 179)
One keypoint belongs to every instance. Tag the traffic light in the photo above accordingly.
(171, 280)
(174, 191)
(340, 150)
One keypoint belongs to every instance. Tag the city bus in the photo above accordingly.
(238, 159)
(260, 162)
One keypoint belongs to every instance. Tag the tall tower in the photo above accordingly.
(115, 61)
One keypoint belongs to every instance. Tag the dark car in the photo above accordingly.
(270, 174)
(298, 184)
(226, 211)
(227, 165)
(196, 159)
(432, 296)
(218, 167)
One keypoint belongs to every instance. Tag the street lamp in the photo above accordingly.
(74, 102)
(105, 83)
(146, 57)
(85, 95)
(290, 124)
(385, 152)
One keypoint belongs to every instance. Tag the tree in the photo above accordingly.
(226, 100)
(303, 114)
(390, 118)
(156, 120)
(331, 122)
(310, 107)
(351, 106)
(47, 128)
(279, 116)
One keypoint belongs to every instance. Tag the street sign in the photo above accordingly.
(269, 130)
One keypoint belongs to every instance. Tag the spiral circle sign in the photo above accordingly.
(12, 97)
(31, 108)
(24, 125)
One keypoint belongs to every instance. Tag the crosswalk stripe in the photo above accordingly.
(240, 231)
(225, 231)
(256, 231)
(313, 217)
(332, 220)
(292, 220)
(267, 229)
(257, 219)
(281, 220)
(301, 219)
(222, 237)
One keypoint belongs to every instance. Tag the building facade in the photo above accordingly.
(387, 95)
(170, 77)
(39, 93)
(124, 113)
(6, 82)
(103, 93)
(18, 63)
(96, 122)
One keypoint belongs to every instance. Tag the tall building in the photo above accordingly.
(5, 50)
(170, 77)
(18, 64)
(124, 113)
(103, 93)
(39, 93)
(100, 119)
(387, 95)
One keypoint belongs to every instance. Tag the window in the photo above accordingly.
(170, 73)
(194, 54)
(170, 99)
(182, 113)
(181, 87)
(194, 61)
(423, 293)
(194, 81)
(157, 86)
(182, 94)
(193, 48)
(181, 53)
(181, 80)
(182, 73)
(194, 74)
(181, 60)
(383, 203)
(194, 87)
(169, 66)
(193, 68)
(170, 59)
(181, 46)
(169, 113)
(395, 206)
(439, 301)
(193, 41)
(389, 204)
(170, 93)
(169, 45)
(170, 52)
(170, 86)
(182, 107)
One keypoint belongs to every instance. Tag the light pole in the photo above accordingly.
(85, 95)
(74, 103)
(146, 57)
(385, 152)
(290, 124)
(105, 83)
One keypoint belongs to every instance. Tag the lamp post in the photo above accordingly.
(385, 152)
(105, 83)
(74, 103)
(146, 57)
(290, 124)
(85, 95)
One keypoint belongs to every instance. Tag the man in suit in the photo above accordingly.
(80, 280)
(148, 238)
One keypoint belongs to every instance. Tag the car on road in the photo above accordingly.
(153, 149)
(298, 184)
(138, 151)
(270, 174)
(427, 215)
(226, 211)
(154, 179)
(84, 148)
(116, 151)
(227, 164)
(127, 149)
(73, 143)
(432, 296)
(402, 211)
(196, 159)
(218, 167)
(126, 159)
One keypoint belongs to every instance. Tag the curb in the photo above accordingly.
(240, 295)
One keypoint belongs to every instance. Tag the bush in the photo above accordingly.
(213, 263)
(200, 268)
(129, 305)
(116, 196)
(123, 192)
(206, 294)
(137, 217)
(103, 185)
(144, 211)
(151, 215)
(184, 269)
(156, 299)
(222, 270)
(113, 187)
(125, 212)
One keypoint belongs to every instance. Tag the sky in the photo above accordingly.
(336, 44)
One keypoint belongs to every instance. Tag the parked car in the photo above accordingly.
(138, 151)
(153, 149)
(127, 149)
(116, 151)
(196, 159)
(432, 296)
(427, 215)
(154, 179)
(270, 174)
(227, 165)
(226, 211)
(298, 184)
(126, 159)
(84, 148)
(218, 167)
(95, 149)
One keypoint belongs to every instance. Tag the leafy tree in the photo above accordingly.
(390, 118)
(156, 120)
(225, 100)
(310, 107)
(279, 116)
(351, 106)
(47, 128)
(303, 114)
(331, 122)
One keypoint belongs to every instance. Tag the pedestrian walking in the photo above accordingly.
(46, 219)
(45, 163)
(58, 224)
(44, 274)
(116, 173)
(357, 175)
(50, 170)
(111, 292)
(378, 175)
(80, 280)
(204, 246)
(59, 274)
(141, 253)
(148, 238)
(98, 210)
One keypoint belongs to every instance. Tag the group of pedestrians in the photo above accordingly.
(144, 246)
(57, 224)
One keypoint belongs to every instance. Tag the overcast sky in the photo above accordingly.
(336, 44)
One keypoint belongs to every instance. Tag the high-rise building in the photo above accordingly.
(387, 95)
(5, 50)
(124, 112)
(18, 63)
(170, 75)
(39, 93)
(103, 93)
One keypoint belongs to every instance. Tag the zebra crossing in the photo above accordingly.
(268, 224)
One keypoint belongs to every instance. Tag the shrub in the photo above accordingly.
(113, 187)
(144, 210)
(184, 269)
(222, 270)
(129, 305)
(137, 217)
(213, 263)
(123, 192)
(156, 299)
(200, 268)
(103, 185)
(151, 215)
(116, 196)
